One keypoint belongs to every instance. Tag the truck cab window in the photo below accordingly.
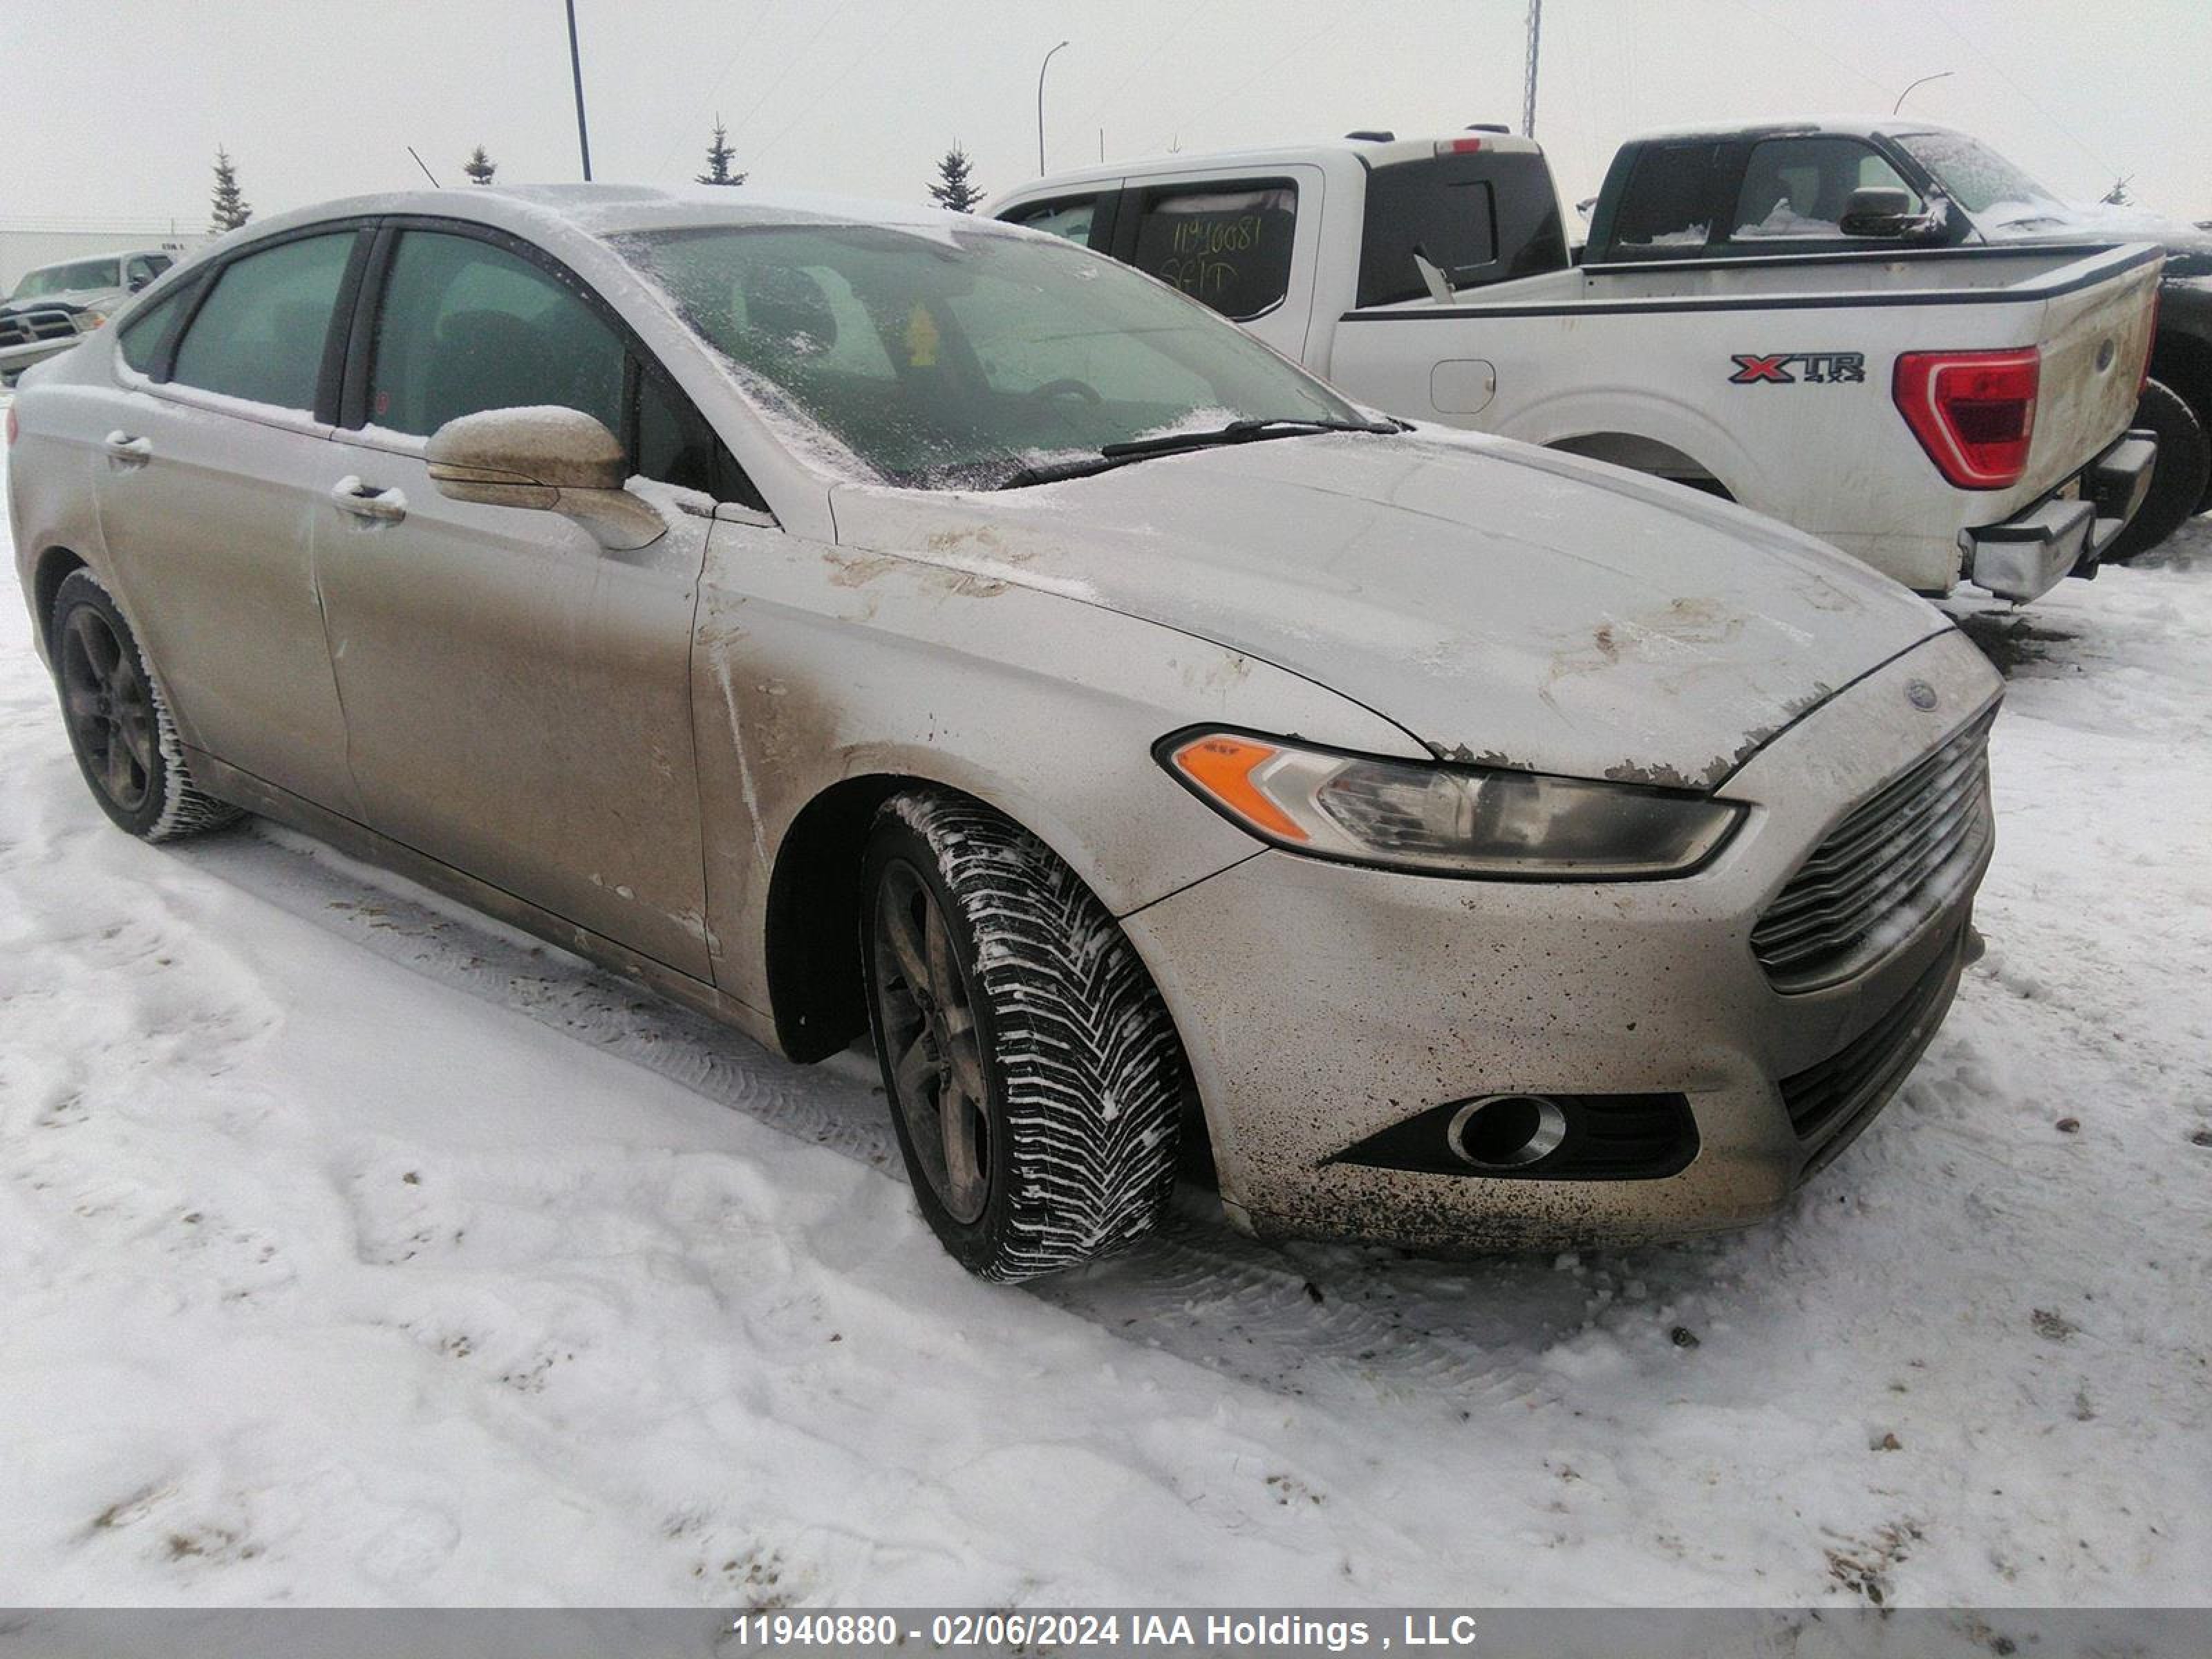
(1795, 187)
(1666, 212)
(1227, 244)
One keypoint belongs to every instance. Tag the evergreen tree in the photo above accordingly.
(231, 208)
(952, 188)
(718, 160)
(479, 167)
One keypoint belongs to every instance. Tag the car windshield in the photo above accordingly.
(950, 358)
(64, 279)
(1979, 180)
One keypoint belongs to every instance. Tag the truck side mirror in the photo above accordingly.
(1884, 210)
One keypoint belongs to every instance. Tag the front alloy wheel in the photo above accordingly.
(930, 1039)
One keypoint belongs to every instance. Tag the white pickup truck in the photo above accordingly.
(1943, 414)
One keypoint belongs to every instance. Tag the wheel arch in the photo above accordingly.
(2184, 361)
(813, 923)
(49, 571)
(1639, 454)
(811, 933)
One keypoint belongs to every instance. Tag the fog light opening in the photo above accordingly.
(1506, 1132)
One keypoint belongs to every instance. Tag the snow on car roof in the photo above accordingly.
(606, 209)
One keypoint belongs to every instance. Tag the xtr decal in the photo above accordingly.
(1817, 369)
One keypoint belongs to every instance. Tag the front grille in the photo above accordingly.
(1861, 1073)
(1882, 873)
(24, 327)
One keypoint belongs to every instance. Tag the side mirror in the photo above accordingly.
(558, 460)
(1885, 211)
(137, 282)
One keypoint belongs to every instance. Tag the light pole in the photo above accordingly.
(1922, 81)
(1041, 67)
(576, 70)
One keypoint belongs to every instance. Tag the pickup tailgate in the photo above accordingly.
(2086, 397)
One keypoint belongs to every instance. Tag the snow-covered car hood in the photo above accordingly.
(1501, 603)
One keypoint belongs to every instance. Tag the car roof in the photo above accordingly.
(1844, 126)
(607, 209)
(1370, 152)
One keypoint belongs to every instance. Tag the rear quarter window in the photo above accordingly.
(141, 337)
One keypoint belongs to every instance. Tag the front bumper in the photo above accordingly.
(1322, 1004)
(2065, 533)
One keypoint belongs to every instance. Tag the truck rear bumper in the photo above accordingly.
(14, 359)
(2026, 556)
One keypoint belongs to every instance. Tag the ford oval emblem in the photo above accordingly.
(1920, 693)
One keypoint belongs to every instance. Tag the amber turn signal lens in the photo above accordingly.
(1222, 767)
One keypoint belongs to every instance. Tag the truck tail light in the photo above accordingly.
(1458, 146)
(11, 426)
(1974, 411)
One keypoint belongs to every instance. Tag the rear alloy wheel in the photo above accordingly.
(2177, 482)
(117, 724)
(1035, 1079)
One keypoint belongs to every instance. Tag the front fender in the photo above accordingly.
(813, 665)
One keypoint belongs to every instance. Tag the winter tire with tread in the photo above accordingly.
(1034, 1075)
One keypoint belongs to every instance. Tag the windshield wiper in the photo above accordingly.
(1241, 432)
(1176, 443)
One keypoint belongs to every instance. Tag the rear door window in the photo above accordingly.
(1798, 187)
(466, 326)
(1667, 210)
(1228, 245)
(261, 333)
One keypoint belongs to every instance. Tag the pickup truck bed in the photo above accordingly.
(1774, 381)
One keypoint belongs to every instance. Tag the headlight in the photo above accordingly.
(88, 320)
(1448, 820)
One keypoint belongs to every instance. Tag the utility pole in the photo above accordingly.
(576, 71)
(1041, 67)
(1529, 93)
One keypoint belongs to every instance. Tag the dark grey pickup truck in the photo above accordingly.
(1832, 187)
(53, 305)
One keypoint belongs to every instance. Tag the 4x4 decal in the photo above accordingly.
(1820, 368)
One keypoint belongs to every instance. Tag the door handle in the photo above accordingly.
(350, 495)
(126, 451)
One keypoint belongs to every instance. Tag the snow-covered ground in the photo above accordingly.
(353, 1249)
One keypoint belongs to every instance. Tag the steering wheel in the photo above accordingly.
(1068, 388)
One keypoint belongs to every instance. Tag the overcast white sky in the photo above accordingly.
(115, 109)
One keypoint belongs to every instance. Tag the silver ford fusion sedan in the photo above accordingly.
(851, 619)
